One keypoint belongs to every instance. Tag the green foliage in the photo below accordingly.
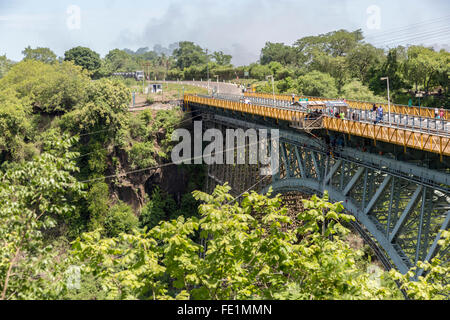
(51, 88)
(163, 126)
(355, 90)
(154, 210)
(334, 66)
(259, 72)
(40, 54)
(142, 155)
(98, 200)
(125, 267)
(106, 108)
(336, 44)
(424, 64)
(433, 285)
(120, 219)
(222, 59)
(5, 65)
(317, 84)
(14, 124)
(189, 54)
(250, 254)
(149, 100)
(84, 57)
(278, 52)
(361, 59)
(44, 192)
(120, 61)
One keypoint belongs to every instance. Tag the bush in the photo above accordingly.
(120, 219)
(142, 155)
(149, 100)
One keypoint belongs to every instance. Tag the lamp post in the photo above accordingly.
(217, 76)
(207, 68)
(389, 98)
(273, 87)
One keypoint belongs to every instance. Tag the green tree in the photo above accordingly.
(278, 52)
(423, 66)
(361, 59)
(355, 90)
(106, 106)
(40, 54)
(317, 84)
(98, 204)
(259, 72)
(433, 284)
(43, 192)
(84, 57)
(15, 124)
(336, 44)
(189, 54)
(250, 253)
(335, 66)
(221, 58)
(120, 219)
(154, 211)
(50, 88)
(5, 65)
(120, 61)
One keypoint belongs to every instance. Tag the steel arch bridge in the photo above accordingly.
(402, 205)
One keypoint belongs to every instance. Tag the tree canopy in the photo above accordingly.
(189, 54)
(84, 57)
(40, 54)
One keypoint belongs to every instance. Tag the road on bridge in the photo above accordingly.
(224, 88)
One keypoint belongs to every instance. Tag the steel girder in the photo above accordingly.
(403, 206)
(405, 217)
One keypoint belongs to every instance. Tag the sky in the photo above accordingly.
(237, 27)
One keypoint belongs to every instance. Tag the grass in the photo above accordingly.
(170, 92)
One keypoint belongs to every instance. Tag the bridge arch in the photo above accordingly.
(401, 204)
(311, 186)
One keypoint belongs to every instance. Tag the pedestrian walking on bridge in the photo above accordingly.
(380, 114)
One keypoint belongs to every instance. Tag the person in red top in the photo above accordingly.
(442, 113)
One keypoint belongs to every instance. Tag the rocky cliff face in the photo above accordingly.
(134, 188)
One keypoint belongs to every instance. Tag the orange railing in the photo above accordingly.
(430, 142)
(361, 105)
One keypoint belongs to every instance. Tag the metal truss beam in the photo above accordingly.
(316, 166)
(377, 195)
(435, 244)
(355, 179)
(375, 173)
(333, 170)
(336, 195)
(300, 162)
(425, 176)
(285, 160)
(401, 221)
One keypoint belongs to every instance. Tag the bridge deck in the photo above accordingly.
(402, 132)
(360, 105)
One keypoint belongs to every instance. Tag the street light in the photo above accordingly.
(273, 87)
(389, 98)
(217, 76)
(207, 68)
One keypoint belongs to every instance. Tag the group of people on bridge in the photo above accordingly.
(377, 114)
(439, 114)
